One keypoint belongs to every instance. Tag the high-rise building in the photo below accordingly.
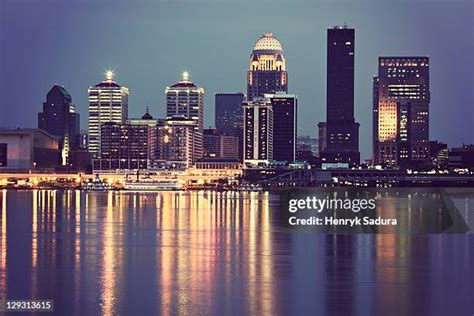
(401, 98)
(127, 146)
(123, 146)
(258, 131)
(340, 128)
(267, 68)
(285, 108)
(220, 145)
(108, 102)
(229, 116)
(59, 118)
(186, 100)
(173, 145)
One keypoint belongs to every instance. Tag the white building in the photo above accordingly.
(186, 100)
(108, 102)
(258, 132)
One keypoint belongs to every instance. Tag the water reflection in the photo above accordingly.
(216, 252)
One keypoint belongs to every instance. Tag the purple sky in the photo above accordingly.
(149, 44)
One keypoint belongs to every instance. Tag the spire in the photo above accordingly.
(109, 75)
(147, 115)
(185, 76)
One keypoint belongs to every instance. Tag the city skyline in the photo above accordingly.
(304, 48)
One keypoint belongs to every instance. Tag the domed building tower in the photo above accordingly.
(267, 68)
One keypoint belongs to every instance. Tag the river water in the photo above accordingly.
(225, 253)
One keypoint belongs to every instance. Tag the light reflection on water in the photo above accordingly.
(216, 253)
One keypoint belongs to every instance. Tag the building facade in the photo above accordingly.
(229, 116)
(28, 150)
(108, 102)
(340, 128)
(285, 112)
(59, 118)
(401, 98)
(123, 146)
(173, 143)
(258, 132)
(186, 100)
(267, 68)
(220, 145)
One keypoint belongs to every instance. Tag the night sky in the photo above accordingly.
(149, 44)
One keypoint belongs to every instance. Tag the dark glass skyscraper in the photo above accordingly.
(59, 118)
(229, 116)
(284, 125)
(342, 132)
(267, 68)
(401, 112)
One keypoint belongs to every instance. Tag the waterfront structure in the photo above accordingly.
(341, 131)
(267, 68)
(59, 118)
(108, 102)
(220, 145)
(285, 112)
(219, 164)
(258, 132)
(401, 98)
(229, 116)
(462, 157)
(186, 100)
(173, 146)
(28, 150)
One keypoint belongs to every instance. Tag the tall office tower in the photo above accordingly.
(401, 112)
(285, 108)
(229, 116)
(185, 99)
(258, 132)
(123, 146)
(173, 147)
(59, 118)
(108, 102)
(342, 132)
(267, 68)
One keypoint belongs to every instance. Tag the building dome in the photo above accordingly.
(267, 42)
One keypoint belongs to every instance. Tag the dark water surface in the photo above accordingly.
(195, 253)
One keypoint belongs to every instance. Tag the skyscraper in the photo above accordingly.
(229, 116)
(285, 108)
(174, 143)
(123, 146)
(258, 132)
(267, 68)
(59, 118)
(401, 112)
(340, 128)
(108, 102)
(186, 100)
